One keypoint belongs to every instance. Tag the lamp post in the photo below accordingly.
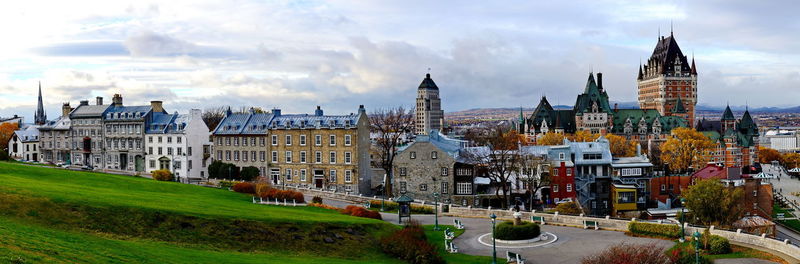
(683, 214)
(383, 193)
(696, 237)
(436, 211)
(494, 245)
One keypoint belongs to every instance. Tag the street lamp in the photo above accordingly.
(436, 212)
(696, 237)
(383, 193)
(494, 245)
(683, 214)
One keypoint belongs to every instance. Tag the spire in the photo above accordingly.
(40, 117)
(728, 114)
(678, 108)
(641, 76)
(694, 69)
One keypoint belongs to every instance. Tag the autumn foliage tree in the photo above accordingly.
(6, 131)
(583, 136)
(791, 160)
(502, 160)
(389, 126)
(621, 147)
(711, 203)
(685, 148)
(550, 138)
(767, 155)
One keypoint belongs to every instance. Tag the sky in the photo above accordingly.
(295, 55)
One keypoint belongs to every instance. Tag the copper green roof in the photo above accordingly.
(404, 199)
(728, 114)
(428, 83)
(678, 107)
(556, 119)
(650, 115)
(591, 95)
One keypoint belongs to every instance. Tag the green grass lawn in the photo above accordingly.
(437, 238)
(793, 224)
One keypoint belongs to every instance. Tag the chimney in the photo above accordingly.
(616, 107)
(318, 112)
(117, 100)
(361, 109)
(600, 81)
(196, 114)
(157, 106)
(65, 109)
(99, 100)
(276, 112)
(84, 102)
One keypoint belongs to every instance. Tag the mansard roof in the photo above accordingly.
(88, 111)
(428, 83)
(667, 123)
(591, 95)
(666, 53)
(126, 113)
(248, 123)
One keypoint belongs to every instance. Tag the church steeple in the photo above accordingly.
(40, 117)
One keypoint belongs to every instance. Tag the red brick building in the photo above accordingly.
(664, 188)
(562, 181)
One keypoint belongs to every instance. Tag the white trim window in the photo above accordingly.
(332, 140)
(445, 171)
(569, 187)
(464, 188)
(302, 140)
(274, 140)
(318, 140)
(348, 140)
(347, 158)
(555, 188)
(288, 175)
(288, 140)
(348, 176)
(275, 157)
(288, 156)
(332, 157)
(318, 157)
(302, 175)
(445, 187)
(302, 157)
(333, 176)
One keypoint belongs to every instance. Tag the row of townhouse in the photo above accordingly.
(306, 150)
(127, 139)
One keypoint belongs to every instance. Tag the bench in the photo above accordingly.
(780, 216)
(538, 219)
(458, 224)
(589, 223)
(449, 235)
(514, 258)
(451, 247)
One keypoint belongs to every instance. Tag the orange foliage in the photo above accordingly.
(685, 148)
(550, 138)
(6, 131)
(583, 136)
(621, 147)
(767, 155)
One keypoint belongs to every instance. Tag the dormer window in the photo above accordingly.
(347, 123)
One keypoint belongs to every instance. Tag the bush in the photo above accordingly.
(244, 187)
(569, 208)
(4, 155)
(508, 231)
(272, 194)
(683, 253)
(361, 212)
(226, 184)
(629, 253)
(325, 206)
(411, 245)
(249, 173)
(162, 175)
(261, 189)
(718, 245)
(654, 230)
(392, 206)
(316, 199)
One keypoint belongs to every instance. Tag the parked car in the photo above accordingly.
(87, 167)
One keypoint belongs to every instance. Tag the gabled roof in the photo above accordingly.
(666, 53)
(728, 114)
(591, 95)
(678, 107)
(30, 134)
(126, 113)
(61, 123)
(650, 115)
(428, 83)
(556, 119)
(711, 171)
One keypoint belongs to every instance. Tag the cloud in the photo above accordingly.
(151, 44)
(83, 49)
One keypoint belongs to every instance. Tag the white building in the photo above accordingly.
(24, 144)
(428, 115)
(178, 143)
(783, 139)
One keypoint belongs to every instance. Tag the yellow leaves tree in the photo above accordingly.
(791, 160)
(685, 148)
(767, 155)
(6, 131)
(621, 147)
(583, 136)
(550, 138)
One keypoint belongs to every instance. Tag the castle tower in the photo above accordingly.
(40, 117)
(667, 77)
(429, 114)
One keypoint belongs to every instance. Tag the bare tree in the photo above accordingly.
(389, 126)
(537, 174)
(502, 160)
(212, 116)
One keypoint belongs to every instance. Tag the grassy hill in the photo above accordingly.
(53, 215)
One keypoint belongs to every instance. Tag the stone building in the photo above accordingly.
(321, 151)
(124, 134)
(86, 134)
(241, 139)
(667, 80)
(736, 140)
(427, 166)
(24, 144)
(54, 137)
(178, 143)
(429, 114)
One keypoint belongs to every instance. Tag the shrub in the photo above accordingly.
(718, 245)
(244, 187)
(4, 155)
(361, 212)
(508, 231)
(654, 230)
(226, 184)
(683, 253)
(162, 175)
(629, 253)
(316, 199)
(261, 189)
(420, 209)
(392, 206)
(570, 208)
(325, 206)
(411, 245)
(249, 173)
(272, 194)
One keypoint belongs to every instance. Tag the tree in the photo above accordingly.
(571, 208)
(222, 170)
(212, 116)
(249, 173)
(767, 155)
(621, 147)
(791, 160)
(583, 136)
(6, 132)
(389, 126)
(501, 160)
(685, 148)
(550, 138)
(537, 171)
(629, 253)
(711, 203)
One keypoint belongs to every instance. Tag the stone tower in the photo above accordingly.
(667, 79)
(40, 117)
(429, 114)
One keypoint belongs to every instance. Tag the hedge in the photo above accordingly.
(162, 175)
(654, 230)
(508, 231)
(718, 245)
(391, 206)
(411, 244)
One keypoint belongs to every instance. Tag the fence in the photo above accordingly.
(348, 197)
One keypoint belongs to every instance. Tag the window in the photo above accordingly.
(402, 171)
(236, 155)
(227, 141)
(169, 140)
(190, 151)
(161, 139)
(561, 156)
(177, 165)
(288, 157)
(555, 188)
(569, 187)
(333, 176)
(169, 151)
(318, 157)
(219, 154)
(274, 140)
(150, 151)
(263, 141)
(253, 155)
(318, 140)
(274, 156)
(178, 139)
(180, 151)
(569, 172)
(288, 140)
(445, 171)
(303, 175)
(663, 187)
(555, 172)
(227, 155)
(348, 140)
(413, 155)
(244, 155)
(302, 157)
(423, 187)
(402, 187)
(160, 150)
(347, 158)
(332, 140)
(333, 157)
(150, 139)
(630, 172)
(445, 186)
(262, 154)
(219, 141)
(348, 176)
(463, 188)
(755, 193)
(252, 141)
(434, 155)
(152, 163)
(302, 140)
(288, 174)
